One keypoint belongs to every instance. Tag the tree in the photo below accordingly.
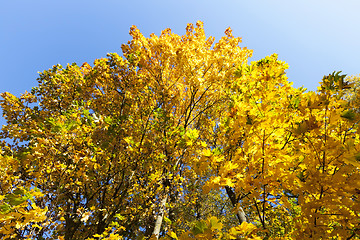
(179, 138)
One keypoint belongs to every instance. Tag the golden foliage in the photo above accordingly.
(154, 137)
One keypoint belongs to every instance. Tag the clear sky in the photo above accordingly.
(315, 37)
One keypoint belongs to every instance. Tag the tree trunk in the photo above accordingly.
(160, 217)
(232, 196)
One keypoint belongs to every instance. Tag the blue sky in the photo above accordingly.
(315, 37)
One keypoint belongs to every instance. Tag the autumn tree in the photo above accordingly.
(179, 138)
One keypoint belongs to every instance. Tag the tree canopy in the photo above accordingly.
(180, 138)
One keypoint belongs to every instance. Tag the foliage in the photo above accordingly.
(180, 138)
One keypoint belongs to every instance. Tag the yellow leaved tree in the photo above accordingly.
(179, 138)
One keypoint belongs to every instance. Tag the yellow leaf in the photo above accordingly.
(173, 235)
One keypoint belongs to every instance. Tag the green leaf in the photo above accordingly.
(192, 134)
(295, 102)
(17, 197)
(5, 208)
(217, 151)
(349, 114)
(14, 200)
(167, 220)
(199, 228)
(357, 157)
(108, 120)
(215, 224)
(19, 192)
